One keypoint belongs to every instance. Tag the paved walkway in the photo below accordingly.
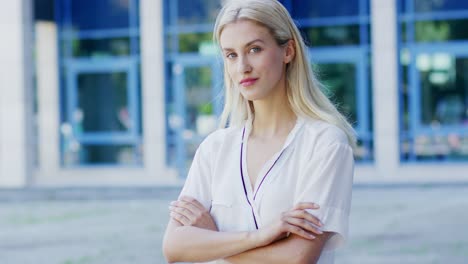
(388, 225)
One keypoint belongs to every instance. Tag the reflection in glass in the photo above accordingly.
(191, 148)
(191, 42)
(339, 80)
(331, 35)
(405, 97)
(101, 47)
(441, 30)
(441, 147)
(102, 14)
(424, 6)
(169, 43)
(444, 90)
(171, 153)
(100, 128)
(200, 118)
(102, 102)
(76, 154)
(320, 9)
(197, 11)
(340, 83)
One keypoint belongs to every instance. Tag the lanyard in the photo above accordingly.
(261, 182)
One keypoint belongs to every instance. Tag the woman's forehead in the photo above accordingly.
(243, 32)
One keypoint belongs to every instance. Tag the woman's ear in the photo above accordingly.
(290, 51)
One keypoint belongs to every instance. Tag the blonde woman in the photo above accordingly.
(275, 185)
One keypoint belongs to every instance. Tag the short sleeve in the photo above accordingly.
(327, 180)
(198, 182)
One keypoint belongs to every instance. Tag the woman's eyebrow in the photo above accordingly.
(246, 45)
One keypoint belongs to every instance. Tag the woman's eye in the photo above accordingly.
(231, 55)
(255, 49)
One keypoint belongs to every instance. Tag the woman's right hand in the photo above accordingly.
(190, 212)
(295, 221)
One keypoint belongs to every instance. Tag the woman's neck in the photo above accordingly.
(272, 119)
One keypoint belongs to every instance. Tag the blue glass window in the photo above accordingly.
(102, 14)
(434, 88)
(191, 12)
(440, 30)
(321, 9)
(423, 6)
(101, 47)
(192, 42)
(111, 154)
(340, 80)
(331, 35)
(430, 6)
(338, 35)
(100, 93)
(102, 102)
(444, 90)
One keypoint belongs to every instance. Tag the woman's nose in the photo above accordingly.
(244, 65)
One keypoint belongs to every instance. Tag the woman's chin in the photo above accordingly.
(252, 96)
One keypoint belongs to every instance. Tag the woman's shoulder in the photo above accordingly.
(323, 133)
(216, 138)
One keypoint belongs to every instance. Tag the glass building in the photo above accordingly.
(122, 92)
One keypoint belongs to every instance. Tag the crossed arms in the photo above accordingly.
(192, 235)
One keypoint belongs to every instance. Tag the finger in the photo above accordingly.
(304, 224)
(177, 221)
(184, 204)
(183, 211)
(198, 204)
(305, 215)
(188, 206)
(303, 206)
(292, 229)
(193, 201)
(181, 218)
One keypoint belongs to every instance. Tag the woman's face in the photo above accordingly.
(253, 59)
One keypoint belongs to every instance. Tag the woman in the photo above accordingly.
(275, 186)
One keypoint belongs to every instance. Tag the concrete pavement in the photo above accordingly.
(71, 226)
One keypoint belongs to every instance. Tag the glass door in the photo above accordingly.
(102, 114)
(439, 104)
(343, 73)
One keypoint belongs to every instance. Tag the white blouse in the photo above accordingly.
(316, 164)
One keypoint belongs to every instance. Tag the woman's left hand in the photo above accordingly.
(190, 212)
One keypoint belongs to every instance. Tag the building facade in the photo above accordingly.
(122, 92)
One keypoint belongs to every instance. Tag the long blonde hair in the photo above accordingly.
(304, 91)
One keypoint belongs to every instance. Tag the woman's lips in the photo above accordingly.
(248, 81)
